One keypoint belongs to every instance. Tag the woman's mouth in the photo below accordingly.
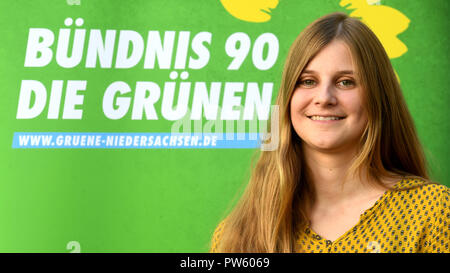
(325, 118)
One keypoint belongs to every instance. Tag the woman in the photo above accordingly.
(349, 174)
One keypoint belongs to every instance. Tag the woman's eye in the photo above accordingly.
(346, 83)
(307, 83)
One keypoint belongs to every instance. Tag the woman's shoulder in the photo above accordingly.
(421, 194)
(423, 207)
(217, 237)
(421, 186)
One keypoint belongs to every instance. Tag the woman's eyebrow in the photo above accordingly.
(341, 72)
(345, 72)
(309, 72)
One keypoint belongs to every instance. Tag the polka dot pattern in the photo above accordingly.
(216, 237)
(412, 217)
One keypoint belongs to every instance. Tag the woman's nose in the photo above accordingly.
(325, 95)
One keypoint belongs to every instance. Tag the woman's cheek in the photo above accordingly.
(297, 110)
(298, 102)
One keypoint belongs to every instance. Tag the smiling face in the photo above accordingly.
(326, 108)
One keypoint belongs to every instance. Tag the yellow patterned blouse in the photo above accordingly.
(411, 217)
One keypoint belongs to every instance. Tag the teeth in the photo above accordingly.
(324, 118)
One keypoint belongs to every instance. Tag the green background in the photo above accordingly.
(167, 200)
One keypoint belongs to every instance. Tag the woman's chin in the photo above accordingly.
(326, 145)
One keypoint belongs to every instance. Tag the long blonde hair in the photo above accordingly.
(272, 208)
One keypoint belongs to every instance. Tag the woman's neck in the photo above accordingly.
(327, 172)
